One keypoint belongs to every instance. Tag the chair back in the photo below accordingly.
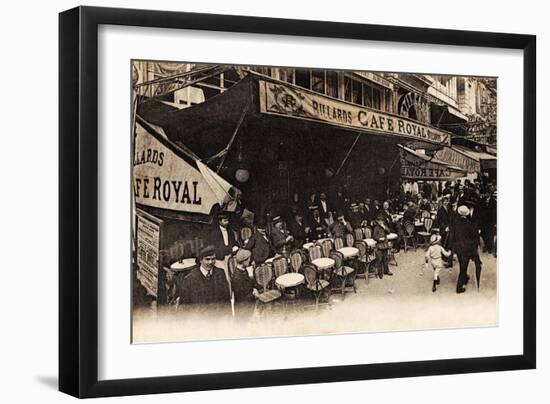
(426, 214)
(358, 232)
(338, 259)
(310, 273)
(232, 264)
(367, 232)
(409, 229)
(280, 266)
(338, 243)
(263, 275)
(349, 240)
(246, 233)
(428, 223)
(296, 260)
(326, 247)
(362, 247)
(315, 252)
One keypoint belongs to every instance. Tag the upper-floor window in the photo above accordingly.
(361, 93)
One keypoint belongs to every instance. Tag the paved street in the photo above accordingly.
(403, 301)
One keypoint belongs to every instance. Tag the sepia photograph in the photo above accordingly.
(275, 201)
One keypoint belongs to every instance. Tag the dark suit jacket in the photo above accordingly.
(298, 231)
(261, 248)
(464, 236)
(214, 236)
(379, 233)
(195, 288)
(443, 219)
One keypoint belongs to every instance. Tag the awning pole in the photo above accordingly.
(347, 155)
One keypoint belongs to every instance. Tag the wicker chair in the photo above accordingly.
(362, 259)
(326, 247)
(338, 243)
(297, 259)
(350, 240)
(264, 277)
(315, 252)
(424, 236)
(280, 266)
(409, 236)
(315, 284)
(344, 276)
(358, 233)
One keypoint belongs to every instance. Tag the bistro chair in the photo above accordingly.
(315, 252)
(296, 260)
(358, 233)
(338, 243)
(427, 232)
(344, 276)
(315, 284)
(362, 259)
(264, 276)
(280, 266)
(246, 233)
(367, 232)
(326, 247)
(350, 240)
(409, 236)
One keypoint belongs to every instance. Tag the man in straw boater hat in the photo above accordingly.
(434, 258)
(205, 284)
(260, 244)
(279, 236)
(465, 241)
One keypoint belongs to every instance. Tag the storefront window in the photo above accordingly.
(318, 81)
(357, 92)
(286, 75)
(332, 84)
(303, 78)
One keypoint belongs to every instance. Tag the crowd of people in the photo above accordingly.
(462, 213)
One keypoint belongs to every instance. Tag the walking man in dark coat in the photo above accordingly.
(205, 284)
(465, 241)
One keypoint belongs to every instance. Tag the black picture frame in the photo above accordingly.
(78, 196)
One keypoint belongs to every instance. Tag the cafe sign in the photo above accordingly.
(164, 179)
(290, 101)
(415, 166)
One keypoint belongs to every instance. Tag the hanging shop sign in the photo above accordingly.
(165, 180)
(291, 101)
(415, 166)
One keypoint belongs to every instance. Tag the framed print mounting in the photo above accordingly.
(263, 192)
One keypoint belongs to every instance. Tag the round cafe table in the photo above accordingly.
(392, 236)
(184, 264)
(323, 263)
(370, 242)
(348, 252)
(306, 246)
(289, 280)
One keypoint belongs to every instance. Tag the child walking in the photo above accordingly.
(434, 258)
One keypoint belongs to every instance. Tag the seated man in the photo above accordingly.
(340, 227)
(259, 244)
(280, 237)
(355, 216)
(205, 284)
(298, 228)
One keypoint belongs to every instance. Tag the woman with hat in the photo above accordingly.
(434, 258)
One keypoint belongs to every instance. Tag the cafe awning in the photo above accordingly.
(171, 182)
(418, 166)
(262, 98)
(470, 160)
